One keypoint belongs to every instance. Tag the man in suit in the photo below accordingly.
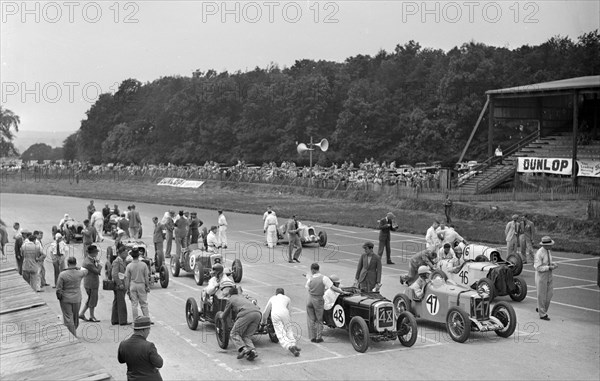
(135, 223)
(292, 230)
(91, 283)
(544, 266)
(119, 308)
(141, 355)
(512, 235)
(368, 271)
(385, 226)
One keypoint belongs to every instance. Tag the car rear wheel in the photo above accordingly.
(439, 274)
(359, 334)
(517, 263)
(322, 238)
(164, 276)
(487, 286)
(507, 316)
(191, 313)
(271, 331)
(458, 324)
(237, 270)
(407, 329)
(401, 303)
(199, 273)
(175, 266)
(222, 331)
(520, 289)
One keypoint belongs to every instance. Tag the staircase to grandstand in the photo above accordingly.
(491, 174)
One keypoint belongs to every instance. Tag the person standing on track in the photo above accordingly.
(135, 223)
(544, 267)
(119, 307)
(386, 226)
(31, 253)
(169, 224)
(68, 292)
(157, 239)
(90, 209)
(316, 284)
(181, 232)
(140, 355)
(512, 233)
(58, 250)
(368, 270)
(526, 239)
(195, 224)
(432, 239)
(97, 221)
(137, 284)
(292, 230)
(222, 222)
(91, 283)
(270, 228)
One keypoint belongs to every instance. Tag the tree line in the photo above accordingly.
(413, 104)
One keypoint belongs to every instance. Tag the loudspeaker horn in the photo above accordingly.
(302, 148)
(323, 145)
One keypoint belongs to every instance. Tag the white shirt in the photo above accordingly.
(432, 238)
(267, 213)
(212, 241)
(442, 254)
(96, 216)
(222, 221)
(330, 297)
(451, 236)
(279, 305)
(271, 220)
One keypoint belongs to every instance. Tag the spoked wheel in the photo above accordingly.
(222, 331)
(506, 314)
(175, 265)
(517, 263)
(271, 331)
(359, 334)
(322, 238)
(458, 325)
(520, 289)
(191, 313)
(164, 276)
(407, 329)
(237, 270)
(401, 303)
(485, 285)
(199, 273)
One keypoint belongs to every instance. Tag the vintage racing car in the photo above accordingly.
(492, 278)
(307, 235)
(199, 261)
(212, 312)
(472, 251)
(156, 273)
(370, 316)
(462, 310)
(71, 230)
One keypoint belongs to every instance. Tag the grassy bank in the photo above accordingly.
(477, 223)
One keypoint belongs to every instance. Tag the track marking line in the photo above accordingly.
(568, 305)
(581, 287)
(562, 276)
(328, 226)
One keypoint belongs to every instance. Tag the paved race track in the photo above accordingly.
(567, 347)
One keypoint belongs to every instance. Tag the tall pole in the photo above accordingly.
(310, 155)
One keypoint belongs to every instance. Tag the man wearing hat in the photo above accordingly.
(31, 253)
(195, 224)
(140, 355)
(419, 285)
(169, 223)
(543, 267)
(512, 235)
(292, 230)
(91, 282)
(385, 226)
(218, 281)
(368, 270)
(137, 284)
(422, 258)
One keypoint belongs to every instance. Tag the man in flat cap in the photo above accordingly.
(512, 235)
(368, 271)
(140, 355)
(385, 226)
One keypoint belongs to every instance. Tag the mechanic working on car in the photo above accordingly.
(278, 308)
(446, 252)
(246, 316)
(455, 264)
(418, 286)
(422, 258)
(64, 220)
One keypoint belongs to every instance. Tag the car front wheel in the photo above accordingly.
(401, 303)
(222, 332)
(191, 313)
(407, 329)
(175, 265)
(517, 263)
(164, 276)
(458, 324)
(507, 316)
(520, 289)
(359, 334)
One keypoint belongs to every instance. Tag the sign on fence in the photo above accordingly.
(588, 168)
(180, 183)
(559, 166)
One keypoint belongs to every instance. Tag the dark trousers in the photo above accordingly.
(119, 308)
(19, 259)
(194, 235)
(384, 243)
(296, 244)
(448, 211)
(59, 265)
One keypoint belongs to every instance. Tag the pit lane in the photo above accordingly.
(565, 348)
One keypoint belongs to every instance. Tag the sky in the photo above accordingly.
(57, 57)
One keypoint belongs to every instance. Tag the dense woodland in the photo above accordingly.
(412, 104)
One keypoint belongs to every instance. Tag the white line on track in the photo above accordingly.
(566, 259)
(339, 230)
(563, 276)
(581, 287)
(568, 305)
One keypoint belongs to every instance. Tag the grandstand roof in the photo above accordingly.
(590, 82)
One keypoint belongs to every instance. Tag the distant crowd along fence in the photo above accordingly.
(356, 181)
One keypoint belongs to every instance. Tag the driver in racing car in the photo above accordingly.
(218, 281)
(455, 264)
(64, 221)
(418, 286)
(212, 241)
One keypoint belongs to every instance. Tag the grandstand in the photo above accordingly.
(567, 114)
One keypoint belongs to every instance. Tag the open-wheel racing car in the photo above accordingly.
(308, 235)
(462, 310)
(212, 312)
(368, 316)
(71, 230)
(472, 251)
(199, 261)
(492, 278)
(156, 273)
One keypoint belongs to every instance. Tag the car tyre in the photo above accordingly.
(439, 274)
(486, 285)
(407, 329)
(521, 289)
(359, 334)
(517, 263)
(164, 276)
(237, 270)
(458, 324)
(199, 273)
(175, 265)
(401, 303)
(322, 238)
(271, 331)
(507, 316)
(191, 313)
(221, 330)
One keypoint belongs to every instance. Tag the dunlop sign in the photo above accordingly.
(180, 183)
(560, 166)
